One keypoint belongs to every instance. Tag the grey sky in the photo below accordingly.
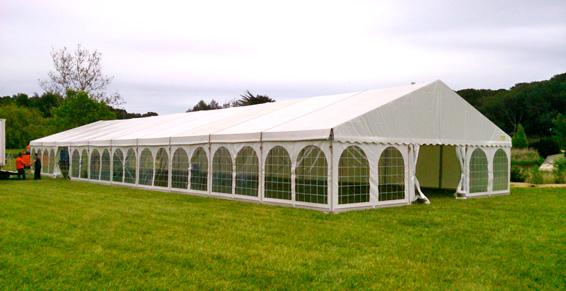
(167, 55)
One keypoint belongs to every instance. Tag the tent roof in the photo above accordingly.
(430, 113)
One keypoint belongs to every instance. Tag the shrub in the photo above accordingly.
(547, 146)
(535, 176)
(559, 170)
(519, 139)
(518, 174)
(525, 157)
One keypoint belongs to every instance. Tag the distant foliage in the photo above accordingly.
(535, 105)
(559, 170)
(520, 138)
(547, 146)
(559, 129)
(535, 176)
(246, 99)
(526, 157)
(23, 124)
(518, 174)
(79, 109)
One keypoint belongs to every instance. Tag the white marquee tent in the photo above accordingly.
(358, 150)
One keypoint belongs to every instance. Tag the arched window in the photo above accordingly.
(278, 174)
(391, 170)
(94, 165)
(199, 170)
(478, 172)
(222, 171)
(105, 166)
(161, 168)
(180, 168)
(130, 167)
(51, 161)
(146, 168)
(84, 164)
(118, 166)
(311, 181)
(75, 164)
(500, 171)
(45, 161)
(247, 172)
(353, 176)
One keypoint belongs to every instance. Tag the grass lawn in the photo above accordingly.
(56, 234)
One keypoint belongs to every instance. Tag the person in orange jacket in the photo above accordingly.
(20, 166)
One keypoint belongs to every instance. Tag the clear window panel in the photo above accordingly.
(94, 165)
(222, 171)
(161, 168)
(500, 171)
(199, 170)
(311, 181)
(130, 167)
(45, 161)
(353, 176)
(84, 164)
(105, 166)
(180, 168)
(391, 175)
(51, 161)
(478, 172)
(75, 164)
(247, 172)
(118, 166)
(146, 168)
(278, 174)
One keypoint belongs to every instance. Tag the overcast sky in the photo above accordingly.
(167, 55)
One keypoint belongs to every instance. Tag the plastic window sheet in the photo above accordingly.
(278, 174)
(75, 164)
(118, 166)
(105, 166)
(161, 169)
(45, 161)
(130, 167)
(391, 170)
(500, 171)
(199, 170)
(311, 181)
(222, 171)
(84, 164)
(478, 172)
(51, 161)
(146, 168)
(353, 179)
(180, 169)
(95, 165)
(247, 172)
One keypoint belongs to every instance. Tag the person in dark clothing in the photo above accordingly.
(37, 168)
(64, 163)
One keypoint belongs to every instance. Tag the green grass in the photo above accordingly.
(72, 235)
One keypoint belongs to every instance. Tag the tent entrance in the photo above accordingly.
(438, 170)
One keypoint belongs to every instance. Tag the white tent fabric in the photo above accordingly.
(392, 122)
(425, 114)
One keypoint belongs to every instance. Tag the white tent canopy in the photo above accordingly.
(407, 117)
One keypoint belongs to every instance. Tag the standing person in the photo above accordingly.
(37, 168)
(64, 163)
(20, 166)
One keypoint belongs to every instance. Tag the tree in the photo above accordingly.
(559, 129)
(79, 109)
(202, 105)
(250, 99)
(80, 70)
(22, 125)
(519, 139)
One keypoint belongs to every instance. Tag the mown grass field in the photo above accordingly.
(56, 234)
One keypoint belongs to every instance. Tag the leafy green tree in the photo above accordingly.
(202, 105)
(559, 129)
(23, 125)
(519, 139)
(78, 109)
